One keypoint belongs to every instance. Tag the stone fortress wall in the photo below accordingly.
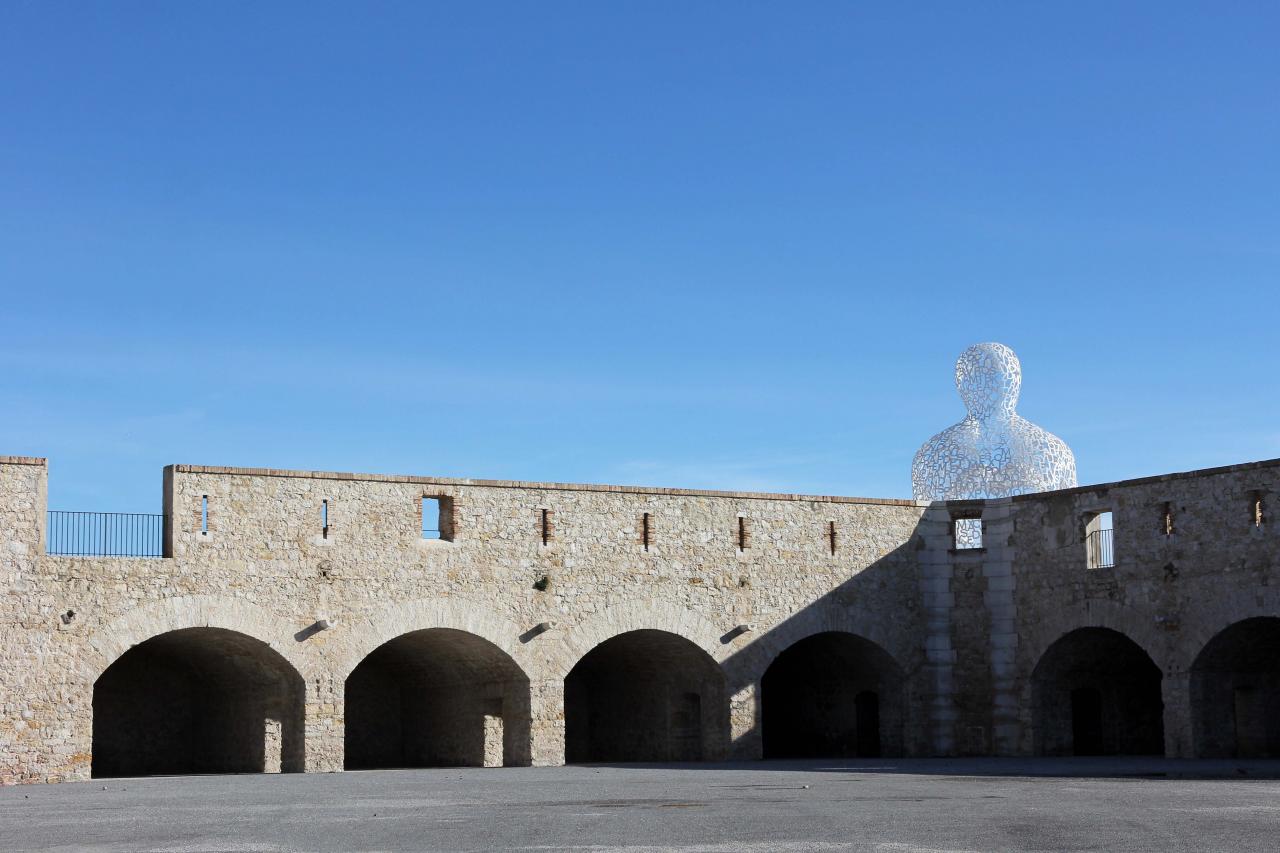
(555, 623)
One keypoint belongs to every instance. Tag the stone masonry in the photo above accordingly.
(554, 622)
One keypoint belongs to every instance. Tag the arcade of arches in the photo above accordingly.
(211, 700)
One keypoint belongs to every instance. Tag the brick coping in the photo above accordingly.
(24, 460)
(1158, 478)
(655, 490)
(519, 484)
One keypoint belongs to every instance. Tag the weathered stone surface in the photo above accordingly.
(517, 599)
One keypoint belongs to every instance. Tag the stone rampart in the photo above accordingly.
(304, 621)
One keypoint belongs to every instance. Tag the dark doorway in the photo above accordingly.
(1086, 721)
(1096, 692)
(867, 709)
(832, 695)
(437, 698)
(198, 700)
(645, 696)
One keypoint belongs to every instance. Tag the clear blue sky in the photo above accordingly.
(702, 244)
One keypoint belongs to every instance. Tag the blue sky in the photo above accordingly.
(733, 245)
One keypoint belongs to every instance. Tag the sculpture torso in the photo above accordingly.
(976, 460)
(993, 452)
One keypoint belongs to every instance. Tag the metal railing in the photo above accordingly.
(105, 534)
(1100, 548)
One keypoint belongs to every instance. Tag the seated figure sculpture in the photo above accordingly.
(993, 452)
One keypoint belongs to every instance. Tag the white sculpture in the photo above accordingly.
(992, 453)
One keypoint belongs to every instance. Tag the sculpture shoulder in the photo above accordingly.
(1050, 452)
(936, 463)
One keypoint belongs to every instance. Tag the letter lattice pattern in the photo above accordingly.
(993, 452)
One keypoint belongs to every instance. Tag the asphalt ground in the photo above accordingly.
(896, 806)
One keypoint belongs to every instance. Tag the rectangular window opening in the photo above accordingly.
(644, 530)
(430, 518)
(743, 535)
(1259, 509)
(1099, 540)
(204, 515)
(1168, 519)
(967, 533)
(324, 519)
(436, 514)
(831, 535)
(546, 526)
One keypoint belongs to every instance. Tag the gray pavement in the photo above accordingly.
(894, 806)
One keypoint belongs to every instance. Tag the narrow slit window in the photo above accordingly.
(204, 515)
(743, 536)
(431, 518)
(1259, 510)
(546, 525)
(644, 530)
(324, 519)
(1168, 519)
(831, 536)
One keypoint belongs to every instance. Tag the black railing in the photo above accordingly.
(105, 534)
(1100, 549)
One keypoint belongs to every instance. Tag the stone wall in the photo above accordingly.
(1192, 558)
(661, 610)
(249, 554)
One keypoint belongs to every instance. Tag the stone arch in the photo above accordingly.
(1235, 691)
(646, 695)
(833, 694)
(234, 674)
(436, 697)
(749, 664)
(1095, 691)
(1197, 631)
(366, 633)
(671, 618)
(435, 682)
(113, 639)
(1052, 625)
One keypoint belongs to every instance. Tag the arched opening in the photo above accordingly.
(832, 695)
(1235, 692)
(1096, 692)
(645, 696)
(198, 700)
(437, 698)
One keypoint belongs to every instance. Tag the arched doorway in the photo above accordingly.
(645, 696)
(1235, 692)
(832, 695)
(1096, 692)
(438, 697)
(198, 700)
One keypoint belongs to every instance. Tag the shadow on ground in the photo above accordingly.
(1108, 767)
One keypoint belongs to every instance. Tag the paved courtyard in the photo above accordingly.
(898, 806)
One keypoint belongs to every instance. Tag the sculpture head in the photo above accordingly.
(989, 377)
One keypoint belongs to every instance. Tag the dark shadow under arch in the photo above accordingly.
(645, 696)
(1096, 692)
(438, 697)
(198, 700)
(832, 695)
(1235, 692)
